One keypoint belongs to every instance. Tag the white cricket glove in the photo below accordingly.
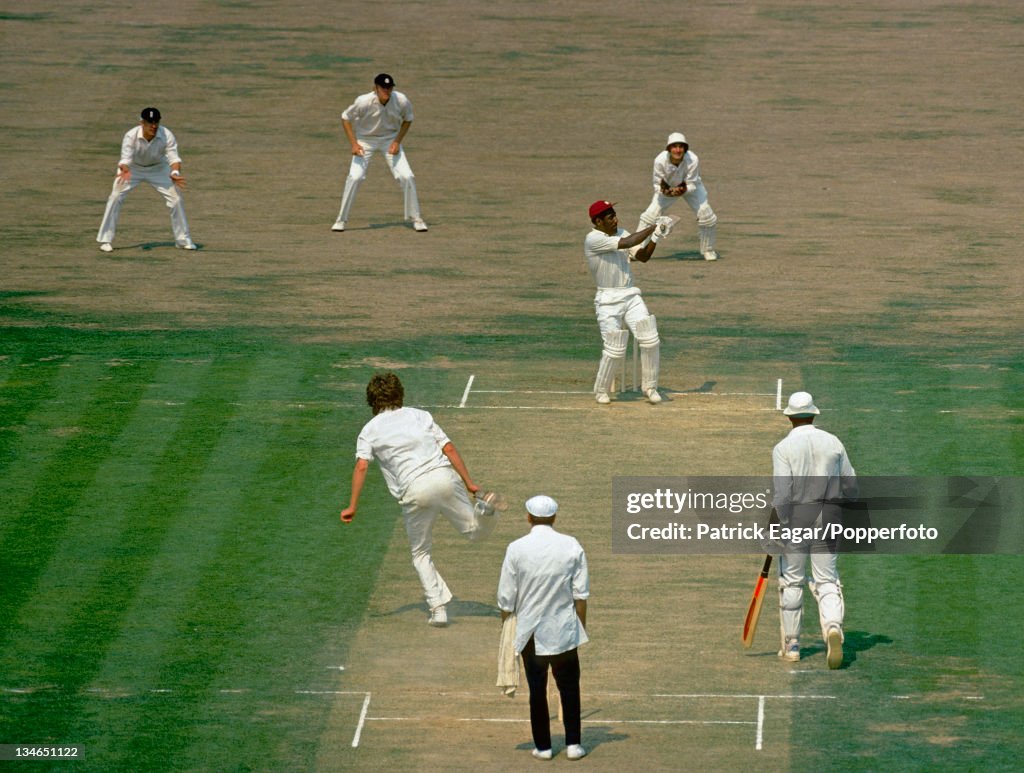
(661, 230)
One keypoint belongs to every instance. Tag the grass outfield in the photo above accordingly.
(179, 595)
(177, 429)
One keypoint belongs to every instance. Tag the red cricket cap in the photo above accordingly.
(599, 207)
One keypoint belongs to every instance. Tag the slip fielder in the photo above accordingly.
(377, 122)
(149, 153)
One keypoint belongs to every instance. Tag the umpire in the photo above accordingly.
(544, 581)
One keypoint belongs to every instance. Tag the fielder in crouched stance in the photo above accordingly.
(425, 473)
(149, 153)
(620, 309)
(812, 476)
(677, 173)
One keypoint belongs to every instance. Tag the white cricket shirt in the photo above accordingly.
(541, 577)
(136, 151)
(406, 442)
(372, 120)
(688, 170)
(609, 266)
(810, 465)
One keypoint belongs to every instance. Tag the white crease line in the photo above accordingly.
(362, 721)
(759, 741)
(465, 394)
(585, 721)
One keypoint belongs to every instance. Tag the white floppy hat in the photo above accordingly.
(541, 506)
(801, 404)
(675, 137)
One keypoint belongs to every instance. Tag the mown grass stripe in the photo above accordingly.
(33, 531)
(98, 529)
(98, 620)
(238, 588)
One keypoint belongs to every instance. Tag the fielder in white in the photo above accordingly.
(812, 475)
(620, 309)
(677, 173)
(377, 122)
(425, 473)
(149, 153)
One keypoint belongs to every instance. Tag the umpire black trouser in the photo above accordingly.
(565, 667)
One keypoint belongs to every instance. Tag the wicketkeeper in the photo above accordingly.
(677, 174)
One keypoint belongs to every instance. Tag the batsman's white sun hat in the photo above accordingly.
(541, 506)
(801, 404)
(675, 137)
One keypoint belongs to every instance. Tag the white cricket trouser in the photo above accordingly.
(159, 176)
(400, 169)
(437, 492)
(825, 587)
(618, 309)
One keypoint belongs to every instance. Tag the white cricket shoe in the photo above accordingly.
(710, 255)
(653, 397)
(603, 398)
(187, 245)
(542, 755)
(419, 225)
(106, 247)
(575, 752)
(790, 650)
(338, 226)
(835, 647)
(438, 617)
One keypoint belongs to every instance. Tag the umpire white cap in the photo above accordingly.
(801, 404)
(541, 506)
(675, 137)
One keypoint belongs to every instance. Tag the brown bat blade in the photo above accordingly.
(754, 610)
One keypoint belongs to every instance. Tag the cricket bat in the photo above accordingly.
(754, 610)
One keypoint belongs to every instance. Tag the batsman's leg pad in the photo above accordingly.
(831, 607)
(614, 352)
(791, 608)
(650, 351)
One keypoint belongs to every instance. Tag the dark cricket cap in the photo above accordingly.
(599, 207)
(150, 115)
(384, 80)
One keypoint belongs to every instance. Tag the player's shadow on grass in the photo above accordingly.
(456, 608)
(148, 246)
(634, 396)
(592, 738)
(694, 255)
(855, 643)
(706, 388)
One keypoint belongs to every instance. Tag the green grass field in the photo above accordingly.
(174, 578)
(177, 430)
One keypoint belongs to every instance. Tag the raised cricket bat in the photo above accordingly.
(754, 610)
